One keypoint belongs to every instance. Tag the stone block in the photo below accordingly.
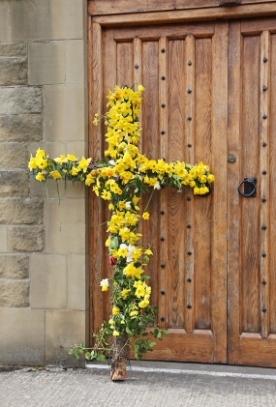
(18, 100)
(25, 238)
(76, 61)
(46, 63)
(14, 155)
(64, 112)
(52, 149)
(63, 330)
(5, 29)
(14, 183)
(76, 190)
(78, 285)
(14, 266)
(14, 49)
(48, 281)
(3, 239)
(65, 226)
(22, 336)
(22, 128)
(78, 148)
(47, 20)
(13, 71)
(42, 190)
(21, 211)
(14, 293)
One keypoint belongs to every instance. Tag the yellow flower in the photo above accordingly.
(40, 153)
(89, 180)
(96, 190)
(104, 284)
(115, 310)
(116, 333)
(74, 171)
(111, 322)
(211, 178)
(133, 313)
(146, 216)
(125, 292)
(83, 164)
(106, 195)
(55, 174)
(140, 291)
(143, 304)
(32, 163)
(148, 252)
(41, 163)
(40, 177)
(71, 157)
(122, 252)
(141, 88)
(111, 207)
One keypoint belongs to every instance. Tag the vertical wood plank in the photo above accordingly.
(109, 56)
(189, 69)
(219, 149)
(272, 184)
(124, 63)
(96, 242)
(250, 221)
(150, 147)
(163, 135)
(202, 146)
(264, 181)
(233, 138)
(137, 75)
(176, 211)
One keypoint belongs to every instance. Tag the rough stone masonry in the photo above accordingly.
(43, 245)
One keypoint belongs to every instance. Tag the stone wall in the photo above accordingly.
(43, 103)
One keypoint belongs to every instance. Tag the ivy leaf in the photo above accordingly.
(129, 331)
(87, 355)
(101, 358)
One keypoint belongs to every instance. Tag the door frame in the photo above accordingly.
(95, 26)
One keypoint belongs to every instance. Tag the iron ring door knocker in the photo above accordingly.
(249, 187)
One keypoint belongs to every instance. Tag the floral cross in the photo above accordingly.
(120, 178)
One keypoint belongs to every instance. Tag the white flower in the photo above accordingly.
(128, 205)
(111, 162)
(157, 186)
(123, 246)
(104, 283)
(129, 257)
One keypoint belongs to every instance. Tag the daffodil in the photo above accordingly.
(55, 174)
(40, 177)
(115, 310)
(104, 284)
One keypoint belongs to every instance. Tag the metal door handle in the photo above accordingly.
(249, 187)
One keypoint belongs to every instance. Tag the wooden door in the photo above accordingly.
(187, 234)
(252, 221)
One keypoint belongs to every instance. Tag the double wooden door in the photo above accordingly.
(209, 97)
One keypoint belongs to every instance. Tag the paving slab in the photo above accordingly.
(92, 387)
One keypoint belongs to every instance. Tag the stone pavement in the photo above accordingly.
(92, 388)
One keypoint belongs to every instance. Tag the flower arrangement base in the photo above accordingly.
(120, 355)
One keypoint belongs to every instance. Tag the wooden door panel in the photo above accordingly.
(272, 187)
(188, 267)
(252, 220)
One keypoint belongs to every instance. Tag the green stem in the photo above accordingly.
(149, 200)
(58, 192)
